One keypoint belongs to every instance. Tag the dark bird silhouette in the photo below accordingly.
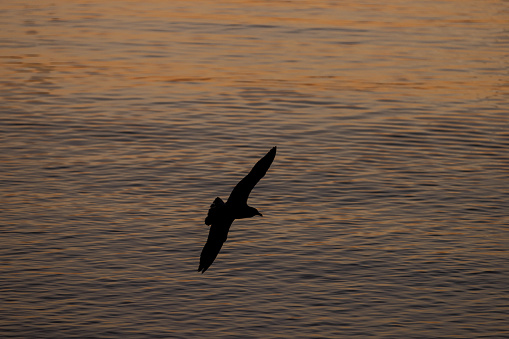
(221, 215)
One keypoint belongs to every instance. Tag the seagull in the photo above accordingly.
(221, 215)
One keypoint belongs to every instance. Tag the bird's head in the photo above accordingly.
(253, 211)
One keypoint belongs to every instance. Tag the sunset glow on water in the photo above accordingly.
(385, 210)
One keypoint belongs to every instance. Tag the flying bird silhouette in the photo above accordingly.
(221, 215)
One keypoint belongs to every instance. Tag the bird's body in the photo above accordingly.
(221, 215)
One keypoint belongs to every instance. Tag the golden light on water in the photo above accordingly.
(384, 211)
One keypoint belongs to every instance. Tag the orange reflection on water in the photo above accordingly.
(390, 48)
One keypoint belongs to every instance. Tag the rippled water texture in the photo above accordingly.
(385, 211)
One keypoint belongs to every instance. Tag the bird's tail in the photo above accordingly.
(213, 210)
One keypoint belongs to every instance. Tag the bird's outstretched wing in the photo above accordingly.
(218, 234)
(241, 192)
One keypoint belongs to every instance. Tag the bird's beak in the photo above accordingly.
(261, 215)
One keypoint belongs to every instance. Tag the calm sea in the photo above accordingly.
(386, 210)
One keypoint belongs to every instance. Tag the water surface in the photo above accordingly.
(385, 209)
